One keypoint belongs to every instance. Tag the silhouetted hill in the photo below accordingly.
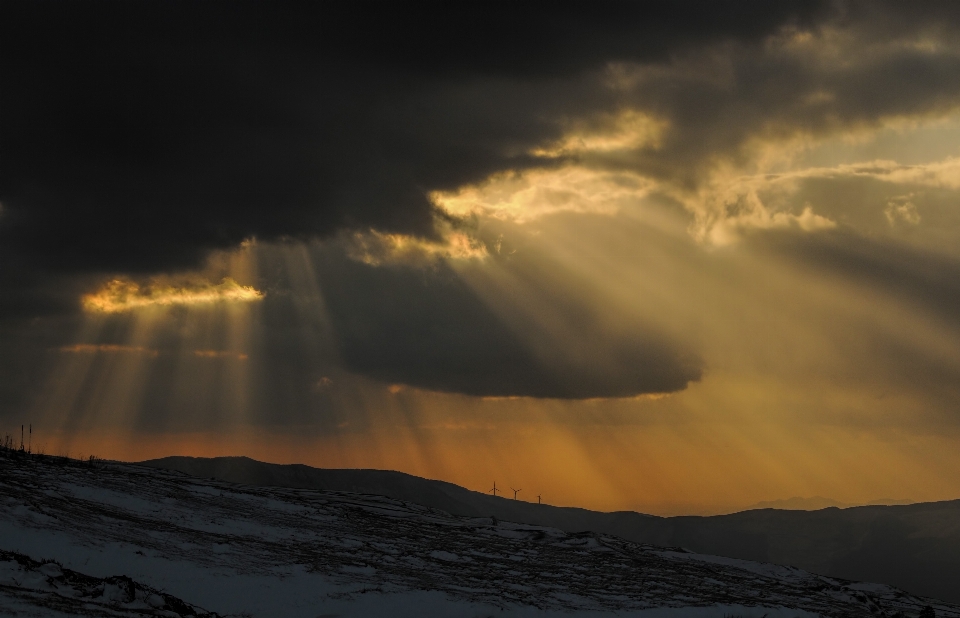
(915, 547)
(818, 502)
(277, 552)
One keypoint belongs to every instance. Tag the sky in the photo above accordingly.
(675, 257)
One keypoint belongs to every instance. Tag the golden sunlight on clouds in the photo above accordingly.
(758, 192)
(129, 347)
(727, 205)
(729, 201)
(89, 348)
(376, 248)
(943, 174)
(834, 415)
(902, 210)
(119, 296)
(626, 130)
(687, 282)
(721, 213)
(578, 187)
(524, 196)
(733, 202)
(747, 432)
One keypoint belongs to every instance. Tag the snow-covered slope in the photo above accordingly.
(914, 547)
(261, 551)
(45, 589)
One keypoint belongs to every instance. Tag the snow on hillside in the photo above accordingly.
(265, 552)
(45, 589)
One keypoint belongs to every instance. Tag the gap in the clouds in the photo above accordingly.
(792, 361)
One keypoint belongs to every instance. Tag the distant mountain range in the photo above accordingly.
(818, 502)
(915, 547)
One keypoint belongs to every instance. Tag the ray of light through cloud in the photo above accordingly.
(678, 278)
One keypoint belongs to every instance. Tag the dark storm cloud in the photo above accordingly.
(426, 328)
(137, 136)
(26, 352)
(866, 65)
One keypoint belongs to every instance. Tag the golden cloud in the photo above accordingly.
(528, 195)
(523, 196)
(721, 213)
(944, 174)
(119, 295)
(376, 248)
(902, 210)
(625, 130)
(109, 348)
(730, 203)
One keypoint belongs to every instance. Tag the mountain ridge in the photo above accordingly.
(124, 534)
(816, 503)
(914, 547)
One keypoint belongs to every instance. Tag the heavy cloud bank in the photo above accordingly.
(139, 139)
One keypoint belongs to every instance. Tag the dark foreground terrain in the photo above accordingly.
(45, 589)
(268, 551)
(914, 547)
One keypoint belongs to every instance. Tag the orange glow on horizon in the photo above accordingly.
(659, 469)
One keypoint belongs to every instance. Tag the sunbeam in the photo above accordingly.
(680, 280)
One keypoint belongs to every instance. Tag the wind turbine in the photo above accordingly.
(494, 490)
(538, 498)
(515, 492)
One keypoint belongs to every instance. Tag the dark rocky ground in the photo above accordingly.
(356, 545)
(914, 547)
